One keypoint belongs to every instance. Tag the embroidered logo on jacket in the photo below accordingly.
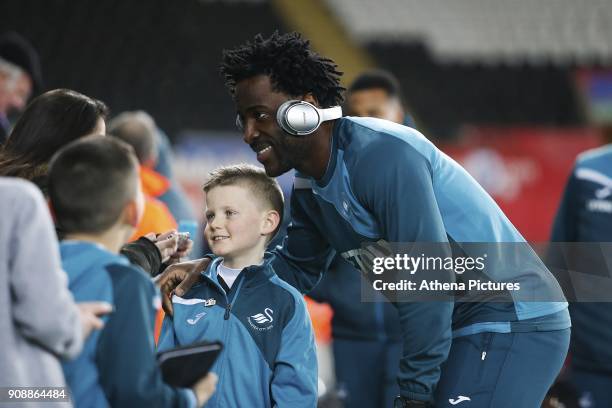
(262, 321)
(195, 319)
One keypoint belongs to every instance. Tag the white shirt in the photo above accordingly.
(229, 275)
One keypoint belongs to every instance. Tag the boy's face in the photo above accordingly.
(235, 223)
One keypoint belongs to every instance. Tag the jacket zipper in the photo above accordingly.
(226, 316)
(488, 340)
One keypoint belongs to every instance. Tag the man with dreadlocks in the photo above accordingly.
(366, 180)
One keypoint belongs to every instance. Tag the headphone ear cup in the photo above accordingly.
(298, 118)
(280, 117)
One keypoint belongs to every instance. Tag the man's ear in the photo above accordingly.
(270, 222)
(310, 98)
(131, 214)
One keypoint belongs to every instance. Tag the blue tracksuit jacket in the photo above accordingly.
(385, 181)
(117, 366)
(269, 356)
(585, 215)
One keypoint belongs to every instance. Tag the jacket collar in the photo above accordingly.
(253, 275)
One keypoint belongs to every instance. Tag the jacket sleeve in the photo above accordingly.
(294, 381)
(400, 194)
(43, 307)
(143, 253)
(564, 226)
(565, 230)
(305, 253)
(125, 356)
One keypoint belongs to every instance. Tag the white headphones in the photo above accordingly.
(301, 118)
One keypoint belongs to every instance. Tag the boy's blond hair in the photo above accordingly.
(266, 189)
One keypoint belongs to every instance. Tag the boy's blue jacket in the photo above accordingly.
(269, 356)
(117, 366)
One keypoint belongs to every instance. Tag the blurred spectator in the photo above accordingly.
(20, 76)
(138, 130)
(562, 395)
(366, 335)
(377, 94)
(39, 321)
(96, 196)
(51, 121)
(584, 216)
(174, 197)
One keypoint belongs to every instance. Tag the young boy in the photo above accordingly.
(269, 357)
(96, 199)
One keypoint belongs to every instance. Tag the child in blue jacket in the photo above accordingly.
(97, 202)
(269, 358)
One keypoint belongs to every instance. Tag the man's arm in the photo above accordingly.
(37, 278)
(294, 382)
(400, 194)
(305, 253)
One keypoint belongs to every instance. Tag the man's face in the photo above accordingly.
(257, 103)
(21, 91)
(375, 103)
(5, 92)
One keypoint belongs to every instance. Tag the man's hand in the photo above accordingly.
(179, 278)
(90, 316)
(204, 388)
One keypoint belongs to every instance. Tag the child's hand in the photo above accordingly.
(185, 245)
(166, 243)
(205, 388)
(90, 315)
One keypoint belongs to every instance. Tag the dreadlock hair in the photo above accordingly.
(293, 68)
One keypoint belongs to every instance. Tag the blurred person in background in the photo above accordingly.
(51, 121)
(138, 130)
(39, 320)
(377, 94)
(20, 77)
(174, 197)
(366, 335)
(585, 215)
(167, 205)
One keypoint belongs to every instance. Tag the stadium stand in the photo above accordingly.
(491, 30)
(153, 55)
